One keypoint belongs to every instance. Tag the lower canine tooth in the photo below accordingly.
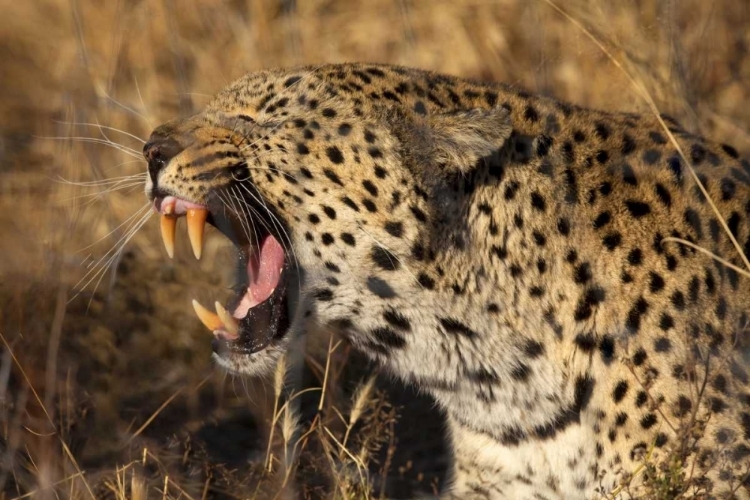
(168, 225)
(209, 319)
(230, 323)
(196, 220)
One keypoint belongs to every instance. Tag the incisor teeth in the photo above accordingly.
(209, 319)
(168, 225)
(230, 323)
(196, 220)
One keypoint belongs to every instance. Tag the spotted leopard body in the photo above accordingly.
(506, 253)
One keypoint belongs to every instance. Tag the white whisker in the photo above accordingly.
(132, 152)
(128, 108)
(102, 182)
(134, 223)
(105, 127)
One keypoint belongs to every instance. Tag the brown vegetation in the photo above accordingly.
(106, 387)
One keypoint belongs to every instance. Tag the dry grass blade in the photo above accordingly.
(83, 89)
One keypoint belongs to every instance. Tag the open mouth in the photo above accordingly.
(258, 314)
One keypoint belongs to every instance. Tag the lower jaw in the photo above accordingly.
(262, 326)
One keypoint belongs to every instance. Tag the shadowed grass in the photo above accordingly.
(120, 374)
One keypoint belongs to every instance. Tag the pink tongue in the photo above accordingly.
(263, 272)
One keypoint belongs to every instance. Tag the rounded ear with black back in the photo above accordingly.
(452, 142)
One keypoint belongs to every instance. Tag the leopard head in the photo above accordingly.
(333, 197)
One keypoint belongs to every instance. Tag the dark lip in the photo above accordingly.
(264, 323)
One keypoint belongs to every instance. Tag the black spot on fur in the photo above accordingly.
(612, 241)
(628, 145)
(728, 189)
(324, 295)
(729, 150)
(332, 176)
(637, 209)
(369, 205)
(656, 283)
(602, 131)
(531, 114)
(639, 357)
(350, 203)
(334, 154)
(662, 344)
(582, 273)
(394, 228)
(607, 348)
(543, 144)
(602, 220)
(330, 212)
(602, 157)
(697, 154)
(666, 322)
(418, 214)
(633, 321)
(684, 405)
(648, 420)
(533, 349)
(348, 239)
(635, 257)
(510, 190)
(397, 320)
(388, 338)
(521, 372)
(651, 156)
(621, 389)
(454, 326)
(426, 281)
(641, 398)
(538, 202)
(563, 226)
(384, 258)
(370, 187)
(585, 341)
(380, 287)
(584, 388)
(590, 299)
(291, 81)
(663, 194)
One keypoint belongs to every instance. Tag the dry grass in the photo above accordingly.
(108, 390)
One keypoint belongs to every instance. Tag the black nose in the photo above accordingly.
(158, 151)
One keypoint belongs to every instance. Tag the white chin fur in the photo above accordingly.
(257, 364)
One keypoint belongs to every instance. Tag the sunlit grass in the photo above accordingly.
(103, 395)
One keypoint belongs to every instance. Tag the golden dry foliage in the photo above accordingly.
(108, 390)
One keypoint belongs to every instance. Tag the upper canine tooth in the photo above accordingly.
(230, 323)
(168, 225)
(196, 220)
(209, 319)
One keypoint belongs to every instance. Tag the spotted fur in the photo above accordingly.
(504, 252)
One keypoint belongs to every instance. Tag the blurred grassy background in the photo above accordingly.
(115, 383)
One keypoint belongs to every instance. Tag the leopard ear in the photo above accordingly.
(455, 141)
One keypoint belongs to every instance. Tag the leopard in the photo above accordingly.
(568, 284)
